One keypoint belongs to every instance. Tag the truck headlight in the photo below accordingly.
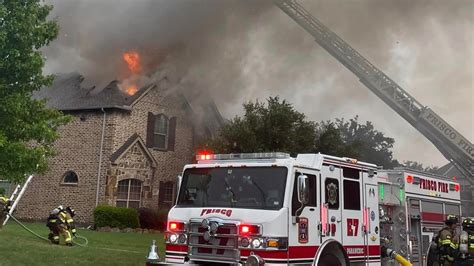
(256, 243)
(173, 238)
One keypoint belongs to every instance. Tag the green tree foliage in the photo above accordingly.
(355, 140)
(274, 126)
(27, 128)
(277, 126)
(419, 166)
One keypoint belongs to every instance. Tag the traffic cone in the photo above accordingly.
(153, 257)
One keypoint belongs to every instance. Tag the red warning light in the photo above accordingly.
(457, 187)
(409, 179)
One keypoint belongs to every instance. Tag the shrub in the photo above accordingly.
(151, 219)
(105, 215)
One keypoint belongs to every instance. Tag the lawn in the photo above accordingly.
(19, 247)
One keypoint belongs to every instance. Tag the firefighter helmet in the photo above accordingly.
(468, 224)
(451, 219)
(70, 211)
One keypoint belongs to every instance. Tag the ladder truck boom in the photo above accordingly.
(455, 147)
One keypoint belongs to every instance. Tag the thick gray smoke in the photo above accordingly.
(241, 50)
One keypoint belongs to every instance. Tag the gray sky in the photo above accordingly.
(242, 50)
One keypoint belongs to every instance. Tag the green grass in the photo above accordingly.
(20, 247)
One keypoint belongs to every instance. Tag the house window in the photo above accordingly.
(129, 193)
(70, 177)
(166, 194)
(160, 132)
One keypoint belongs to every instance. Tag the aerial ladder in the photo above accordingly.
(455, 147)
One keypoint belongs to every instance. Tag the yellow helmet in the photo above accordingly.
(451, 219)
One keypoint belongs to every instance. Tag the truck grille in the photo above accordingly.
(221, 246)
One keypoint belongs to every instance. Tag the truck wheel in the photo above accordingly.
(329, 259)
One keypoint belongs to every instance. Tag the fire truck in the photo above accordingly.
(270, 208)
(412, 209)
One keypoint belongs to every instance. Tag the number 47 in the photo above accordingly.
(352, 227)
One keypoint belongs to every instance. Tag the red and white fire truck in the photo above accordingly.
(413, 207)
(270, 208)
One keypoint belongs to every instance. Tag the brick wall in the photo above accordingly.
(78, 150)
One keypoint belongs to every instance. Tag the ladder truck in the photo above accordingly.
(455, 147)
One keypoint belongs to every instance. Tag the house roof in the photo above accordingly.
(67, 93)
(451, 170)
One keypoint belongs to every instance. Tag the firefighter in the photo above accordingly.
(466, 253)
(5, 205)
(66, 224)
(448, 242)
(70, 213)
(53, 223)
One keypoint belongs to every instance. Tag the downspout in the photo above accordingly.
(100, 158)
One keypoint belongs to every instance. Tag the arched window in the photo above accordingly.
(70, 177)
(129, 193)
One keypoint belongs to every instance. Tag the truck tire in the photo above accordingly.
(331, 253)
(329, 259)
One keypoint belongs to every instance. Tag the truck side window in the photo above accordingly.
(295, 204)
(351, 195)
(331, 187)
(350, 173)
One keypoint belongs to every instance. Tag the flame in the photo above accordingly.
(133, 61)
(131, 90)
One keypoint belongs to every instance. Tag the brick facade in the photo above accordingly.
(79, 149)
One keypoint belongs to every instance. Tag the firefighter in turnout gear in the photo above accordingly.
(52, 223)
(66, 225)
(448, 242)
(466, 244)
(70, 213)
(5, 205)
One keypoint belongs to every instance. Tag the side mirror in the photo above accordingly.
(179, 178)
(303, 189)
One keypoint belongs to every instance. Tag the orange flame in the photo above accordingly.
(133, 61)
(131, 90)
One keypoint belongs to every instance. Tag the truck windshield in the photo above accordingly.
(237, 187)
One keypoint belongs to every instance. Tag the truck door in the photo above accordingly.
(352, 214)
(303, 231)
(331, 220)
(371, 220)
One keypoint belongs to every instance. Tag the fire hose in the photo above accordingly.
(399, 258)
(83, 243)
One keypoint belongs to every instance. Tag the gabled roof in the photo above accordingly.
(67, 93)
(134, 139)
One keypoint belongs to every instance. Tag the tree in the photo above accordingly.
(27, 127)
(419, 166)
(277, 126)
(360, 141)
(274, 126)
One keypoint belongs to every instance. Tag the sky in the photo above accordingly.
(246, 50)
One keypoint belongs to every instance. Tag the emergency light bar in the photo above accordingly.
(241, 156)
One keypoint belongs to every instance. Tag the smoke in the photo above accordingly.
(242, 50)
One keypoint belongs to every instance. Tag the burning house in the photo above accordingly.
(124, 147)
